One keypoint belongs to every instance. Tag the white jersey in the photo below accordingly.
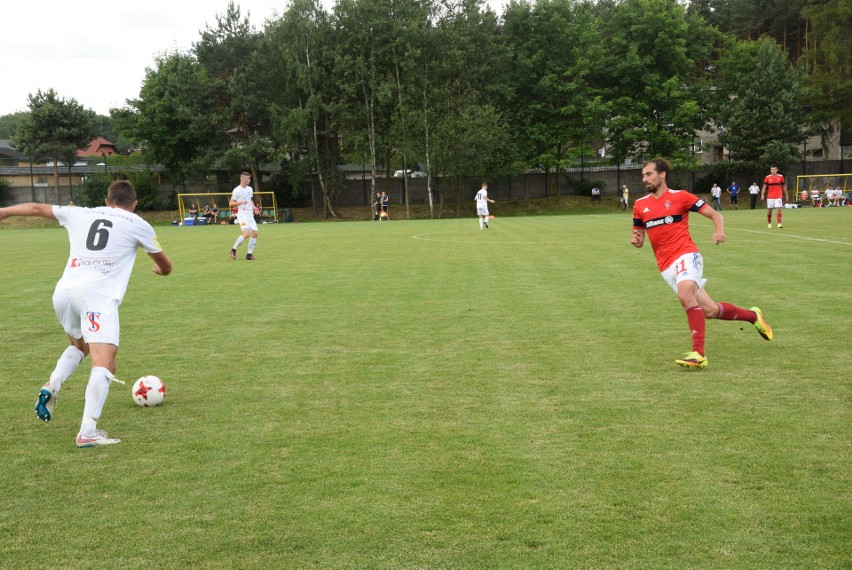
(482, 198)
(241, 194)
(103, 244)
(753, 189)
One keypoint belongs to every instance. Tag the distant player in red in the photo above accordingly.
(664, 215)
(774, 188)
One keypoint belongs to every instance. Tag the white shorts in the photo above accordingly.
(482, 211)
(774, 203)
(687, 267)
(247, 222)
(87, 315)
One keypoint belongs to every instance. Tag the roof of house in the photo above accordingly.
(97, 146)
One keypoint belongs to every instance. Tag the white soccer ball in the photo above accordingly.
(148, 391)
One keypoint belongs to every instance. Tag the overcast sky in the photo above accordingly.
(97, 52)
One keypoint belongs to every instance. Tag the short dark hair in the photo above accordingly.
(121, 193)
(660, 164)
(245, 174)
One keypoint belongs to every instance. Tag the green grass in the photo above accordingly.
(422, 394)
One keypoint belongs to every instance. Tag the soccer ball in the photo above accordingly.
(148, 391)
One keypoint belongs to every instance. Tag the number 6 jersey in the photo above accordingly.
(103, 242)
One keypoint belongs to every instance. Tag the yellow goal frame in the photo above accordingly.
(268, 204)
(807, 182)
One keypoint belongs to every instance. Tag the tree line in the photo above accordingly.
(452, 88)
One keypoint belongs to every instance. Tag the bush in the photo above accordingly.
(584, 187)
(94, 190)
(146, 191)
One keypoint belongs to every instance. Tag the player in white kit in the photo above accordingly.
(103, 243)
(241, 197)
(482, 201)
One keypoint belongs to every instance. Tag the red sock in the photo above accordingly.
(697, 324)
(779, 215)
(729, 312)
(769, 216)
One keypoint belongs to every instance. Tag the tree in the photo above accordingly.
(241, 80)
(362, 76)
(171, 118)
(828, 63)
(467, 94)
(54, 129)
(301, 112)
(653, 79)
(104, 128)
(749, 20)
(557, 112)
(760, 108)
(9, 124)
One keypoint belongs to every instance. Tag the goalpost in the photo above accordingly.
(266, 201)
(839, 184)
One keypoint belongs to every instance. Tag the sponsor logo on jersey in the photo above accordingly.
(662, 221)
(93, 263)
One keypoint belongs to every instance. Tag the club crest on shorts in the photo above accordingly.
(93, 317)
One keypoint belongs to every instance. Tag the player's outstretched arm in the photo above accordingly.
(162, 263)
(718, 223)
(30, 209)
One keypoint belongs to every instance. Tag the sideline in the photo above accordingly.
(792, 236)
(422, 237)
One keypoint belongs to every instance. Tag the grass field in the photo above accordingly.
(422, 394)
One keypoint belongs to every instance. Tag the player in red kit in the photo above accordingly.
(663, 215)
(773, 188)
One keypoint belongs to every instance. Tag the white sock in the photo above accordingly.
(481, 223)
(252, 242)
(96, 394)
(239, 242)
(65, 366)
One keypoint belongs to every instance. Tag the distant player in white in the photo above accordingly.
(103, 244)
(241, 197)
(482, 201)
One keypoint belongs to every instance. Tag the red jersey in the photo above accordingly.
(774, 186)
(666, 222)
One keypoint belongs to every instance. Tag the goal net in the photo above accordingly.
(192, 206)
(824, 189)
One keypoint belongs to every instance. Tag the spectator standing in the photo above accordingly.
(716, 193)
(624, 202)
(386, 206)
(377, 207)
(734, 191)
(753, 193)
